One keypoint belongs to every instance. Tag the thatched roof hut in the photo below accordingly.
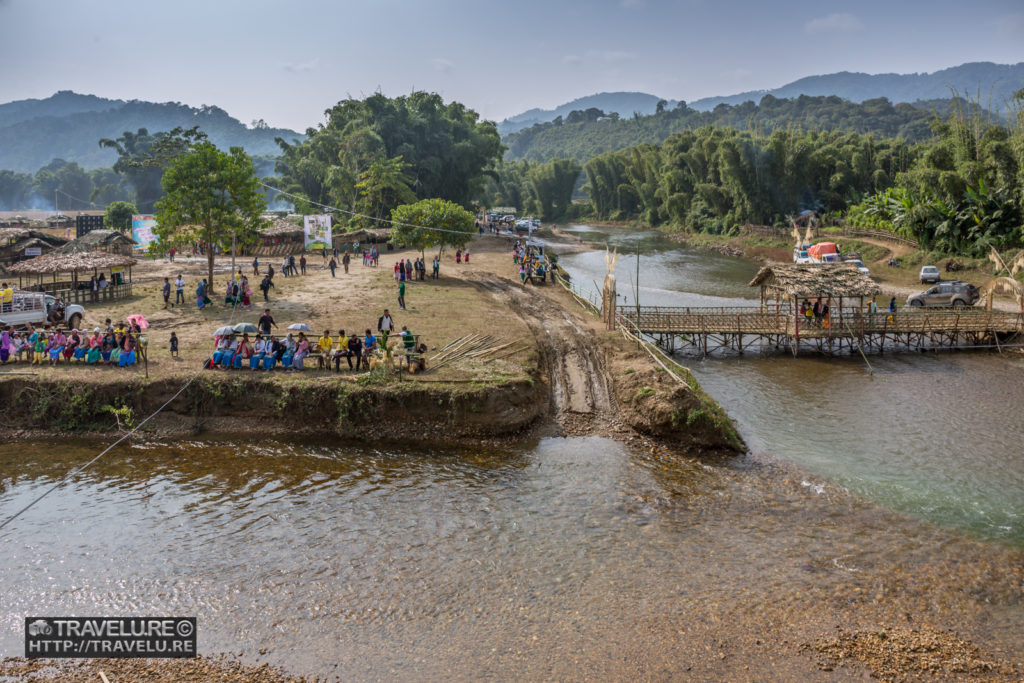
(109, 241)
(798, 281)
(371, 235)
(56, 262)
(277, 227)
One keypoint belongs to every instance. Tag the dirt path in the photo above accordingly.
(574, 364)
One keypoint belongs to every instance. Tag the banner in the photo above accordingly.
(142, 231)
(318, 232)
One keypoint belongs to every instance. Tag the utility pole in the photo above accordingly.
(637, 292)
(233, 249)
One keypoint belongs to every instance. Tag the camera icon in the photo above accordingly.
(40, 627)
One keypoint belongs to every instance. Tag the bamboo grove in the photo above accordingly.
(959, 191)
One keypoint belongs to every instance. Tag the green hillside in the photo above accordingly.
(69, 126)
(587, 134)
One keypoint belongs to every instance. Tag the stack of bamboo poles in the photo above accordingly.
(473, 346)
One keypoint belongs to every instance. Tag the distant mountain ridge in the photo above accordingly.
(69, 126)
(995, 83)
(989, 81)
(622, 103)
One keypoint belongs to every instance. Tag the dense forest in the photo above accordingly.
(959, 191)
(582, 135)
(374, 154)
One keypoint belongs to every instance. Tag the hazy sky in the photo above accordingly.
(287, 62)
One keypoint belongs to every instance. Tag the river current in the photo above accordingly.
(937, 435)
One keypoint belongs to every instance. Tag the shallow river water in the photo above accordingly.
(939, 436)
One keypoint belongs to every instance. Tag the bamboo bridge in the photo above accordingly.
(850, 326)
(707, 330)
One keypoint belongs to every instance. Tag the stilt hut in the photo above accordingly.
(73, 290)
(842, 287)
(279, 238)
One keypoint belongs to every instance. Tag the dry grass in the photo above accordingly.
(439, 311)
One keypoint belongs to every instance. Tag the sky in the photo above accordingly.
(287, 62)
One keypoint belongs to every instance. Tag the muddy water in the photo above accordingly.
(567, 558)
(938, 436)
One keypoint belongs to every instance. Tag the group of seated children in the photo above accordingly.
(266, 352)
(115, 346)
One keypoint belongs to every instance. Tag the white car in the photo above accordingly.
(930, 275)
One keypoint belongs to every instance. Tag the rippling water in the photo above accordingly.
(939, 436)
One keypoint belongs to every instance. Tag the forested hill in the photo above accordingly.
(595, 133)
(993, 84)
(69, 126)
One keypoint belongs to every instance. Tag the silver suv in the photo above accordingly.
(952, 293)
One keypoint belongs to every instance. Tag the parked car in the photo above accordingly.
(952, 293)
(38, 308)
(930, 274)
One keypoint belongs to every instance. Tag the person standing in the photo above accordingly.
(265, 287)
(179, 290)
(385, 325)
(401, 294)
(265, 322)
(437, 268)
(332, 265)
(255, 265)
(345, 261)
(302, 263)
(167, 292)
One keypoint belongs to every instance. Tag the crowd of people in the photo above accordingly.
(114, 345)
(291, 351)
(532, 263)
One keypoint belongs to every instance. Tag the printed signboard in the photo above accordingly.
(142, 230)
(318, 232)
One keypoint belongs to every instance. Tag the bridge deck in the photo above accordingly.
(847, 323)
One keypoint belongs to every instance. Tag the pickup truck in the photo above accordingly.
(38, 308)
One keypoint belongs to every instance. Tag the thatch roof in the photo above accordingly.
(278, 227)
(55, 262)
(13, 233)
(835, 280)
(97, 240)
(364, 234)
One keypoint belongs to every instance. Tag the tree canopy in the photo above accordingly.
(432, 223)
(210, 196)
(377, 153)
(119, 216)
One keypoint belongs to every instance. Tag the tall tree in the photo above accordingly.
(142, 158)
(212, 194)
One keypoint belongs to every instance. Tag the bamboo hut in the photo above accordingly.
(790, 284)
(280, 237)
(107, 241)
(363, 236)
(73, 291)
(14, 241)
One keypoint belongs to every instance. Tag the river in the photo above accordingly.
(937, 435)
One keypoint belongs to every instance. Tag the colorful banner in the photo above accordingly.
(142, 230)
(318, 232)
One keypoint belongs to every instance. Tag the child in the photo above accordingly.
(39, 349)
(174, 345)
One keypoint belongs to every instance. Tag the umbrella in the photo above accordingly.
(224, 331)
(139, 320)
(243, 328)
(300, 327)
